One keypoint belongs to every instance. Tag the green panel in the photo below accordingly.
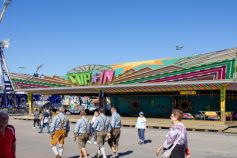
(193, 104)
(161, 106)
(156, 106)
(118, 72)
(228, 63)
(232, 69)
(166, 62)
(231, 102)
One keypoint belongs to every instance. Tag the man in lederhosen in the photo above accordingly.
(59, 130)
(102, 127)
(115, 124)
(82, 131)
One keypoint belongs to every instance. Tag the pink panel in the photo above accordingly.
(108, 76)
(221, 72)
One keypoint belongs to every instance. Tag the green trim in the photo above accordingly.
(228, 63)
(232, 68)
(39, 83)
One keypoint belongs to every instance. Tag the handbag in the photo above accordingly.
(167, 153)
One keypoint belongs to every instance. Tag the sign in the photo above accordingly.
(188, 92)
(93, 77)
(81, 78)
(223, 97)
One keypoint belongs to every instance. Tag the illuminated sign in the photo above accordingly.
(94, 77)
(188, 92)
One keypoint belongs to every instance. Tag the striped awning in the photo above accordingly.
(136, 88)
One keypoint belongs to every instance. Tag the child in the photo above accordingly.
(141, 126)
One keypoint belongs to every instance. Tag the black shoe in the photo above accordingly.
(98, 156)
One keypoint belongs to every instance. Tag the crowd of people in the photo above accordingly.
(102, 128)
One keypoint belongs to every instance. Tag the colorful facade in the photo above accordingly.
(157, 100)
(218, 65)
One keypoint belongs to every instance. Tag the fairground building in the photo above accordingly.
(202, 85)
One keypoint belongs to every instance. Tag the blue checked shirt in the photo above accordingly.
(56, 125)
(102, 123)
(115, 120)
(82, 126)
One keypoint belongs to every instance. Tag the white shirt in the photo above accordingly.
(141, 123)
(93, 119)
(46, 120)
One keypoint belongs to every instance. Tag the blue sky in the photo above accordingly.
(64, 34)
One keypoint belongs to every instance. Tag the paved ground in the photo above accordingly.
(30, 144)
(158, 122)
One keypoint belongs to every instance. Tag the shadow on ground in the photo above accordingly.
(122, 154)
(74, 156)
(147, 141)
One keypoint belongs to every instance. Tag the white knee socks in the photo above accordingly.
(60, 150)
(55, 150)
(98, 152)
(102, 149)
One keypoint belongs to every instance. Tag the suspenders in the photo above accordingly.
(104, 121)
(86, 121)
(61, 123)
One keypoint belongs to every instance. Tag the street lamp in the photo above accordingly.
(5, 5)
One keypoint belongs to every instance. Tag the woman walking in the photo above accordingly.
(177, 136)
(141, 127)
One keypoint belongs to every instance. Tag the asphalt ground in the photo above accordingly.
(31, 144)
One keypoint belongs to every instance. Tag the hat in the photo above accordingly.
(141, 113)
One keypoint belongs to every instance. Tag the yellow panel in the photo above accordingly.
(188, 92)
